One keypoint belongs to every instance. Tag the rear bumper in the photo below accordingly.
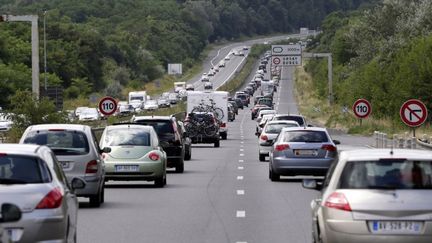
(265, 149)
(202, 139)
(146, 171)
(306, 166)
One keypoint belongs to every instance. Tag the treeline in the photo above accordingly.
(104, 45)
(382, 54)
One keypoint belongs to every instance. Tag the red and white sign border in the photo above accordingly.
(367, 104)
(102, 101)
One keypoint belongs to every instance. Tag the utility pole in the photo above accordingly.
(34, 42)
(329, 71)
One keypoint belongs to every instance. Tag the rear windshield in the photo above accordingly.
(388, 174)
(18, 169)
(242, 96)
(127, 136)
(298, 119)
(305, 136)
(61, 142)
(268, 102)
(163, 128)
(276, 128)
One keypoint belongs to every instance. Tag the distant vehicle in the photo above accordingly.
(269, 133)
(227, 58)
(205, 78)
(291, 117)
(245, 48)
(302, 151)
(138, 145)
(151, 105)
(202, 127)
(208, 86)
(221, 64)
(78, 110)
(234, 105)
(178, 86)
(78, 153)
(89, 114)
(385, 193)
(240, 53)
(137, 98)
(173, 98)
(231, 112)
(163, 103)
(5, 122)
(190, 87)
(124, 109)
(32, 179)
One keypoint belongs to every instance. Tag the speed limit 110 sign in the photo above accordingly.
(107, 106)
(362, 108)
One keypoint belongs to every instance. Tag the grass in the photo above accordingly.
(317, 109)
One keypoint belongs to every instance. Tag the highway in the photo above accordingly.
(224, 195)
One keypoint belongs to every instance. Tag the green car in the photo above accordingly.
(136, 154)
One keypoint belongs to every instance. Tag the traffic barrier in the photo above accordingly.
(382, 140)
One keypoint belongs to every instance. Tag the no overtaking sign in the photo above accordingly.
(413, 113)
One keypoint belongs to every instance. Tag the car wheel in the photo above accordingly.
(217, 144)
(180, 167)
(188, 155)
(96, 200)
(262, 157)
(224, 136)
(103, 194)
(160, 181)
(273, 176)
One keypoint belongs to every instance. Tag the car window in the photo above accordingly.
(127, 136)
(62, 142)
(58, 170)
(276, 128)
(298, 119)
(19, 169)
(305, 136)
(329, 175)
(388, 174)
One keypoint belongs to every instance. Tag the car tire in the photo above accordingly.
(274, 176)
(96, 200)
(160, 181)
(261, 157)
(217, 143)
(188, 155)
(103, 194)
(180, 167)
(224, 136)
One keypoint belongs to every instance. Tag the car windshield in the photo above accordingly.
(387, 174)
(298, 119)
(62, 142)
(163, 128)
(276, 128)
(305, 136)
(19, 169)
(127, 136)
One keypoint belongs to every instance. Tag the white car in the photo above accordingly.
(221, 64)
(208, 86)
(151, 105)
(269, 133)
(78, 110)
(263, 121)
(205, 78)
(89, 114)
(227, 58)
(5, 122)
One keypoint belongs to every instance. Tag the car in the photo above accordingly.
(151, 105)
(171, 137)
(263, 121)
(187, 141)
(190, 87)
(244, 98)
(291, 117)
(89, 114)
(5, 122)
(374, 195)
(257, 108)
(208, 86)
(266, 101)
(124, 109)
(245, 48)
(32, 179)
(302, 151)
(263, 112)
(211, 73)
(239, 103)
(269, 133)
(163, 103)
(249, 90)
(136, 154)
(205, 78)
(221, 64)
(202, 127)
(231, 113)
(235, 106)
(256, 98)
(173, 98)
(77, 150)
(227, 58)
(240, 53)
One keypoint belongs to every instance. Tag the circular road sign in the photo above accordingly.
(362, 108)
(107, 106)
(413, 113)
(276, 60)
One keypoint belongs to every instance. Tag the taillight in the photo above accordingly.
(92, 167)
(52, 200)
(154, 156)
(337, 200)
(329, 147)
(3, 154)
(264, 137)
(223, 125)
(281, 147)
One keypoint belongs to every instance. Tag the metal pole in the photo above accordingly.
(35, 56)
(45, 51)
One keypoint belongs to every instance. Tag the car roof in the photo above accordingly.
(22, 149)
(139, 118)
(321, 129)
(79, 127)
(374, 154)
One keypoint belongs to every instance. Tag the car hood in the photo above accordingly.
(128, 152)
(25, 196)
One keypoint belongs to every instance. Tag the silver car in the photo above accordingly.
(32, 178)
(79, 154)
(269, 133)
(378, 195)
(302, 151)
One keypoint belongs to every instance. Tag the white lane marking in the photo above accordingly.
(241, 142)
(241, 155)
(240, 178)
(240, 167)
(241, 241)
(240, 192)
(240, 214)
(241, 161)
(241, 150)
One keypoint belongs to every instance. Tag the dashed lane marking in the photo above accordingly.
(240, 192)
(240, 178)
(240, 214)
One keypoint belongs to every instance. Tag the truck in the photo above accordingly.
(179, 86)
(137, 98)
(216, 101)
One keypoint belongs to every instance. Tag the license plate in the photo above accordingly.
(126, 168)
(396, 227)
(310, 152)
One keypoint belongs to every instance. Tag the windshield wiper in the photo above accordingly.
(12, 181)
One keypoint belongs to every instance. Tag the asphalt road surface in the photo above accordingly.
(224, 195)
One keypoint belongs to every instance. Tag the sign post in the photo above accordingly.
(362, 109)
(107, 106)
(413, 113)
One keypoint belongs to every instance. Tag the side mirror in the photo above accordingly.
(10, 213)
(311, 184)
(336, 142)
(78, 183)
(106, 150)
(309, 125)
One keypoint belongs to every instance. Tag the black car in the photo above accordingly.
(244, 98)
(171, 135)
(235, 106)
(239, 103)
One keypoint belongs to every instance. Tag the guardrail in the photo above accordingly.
(382, 140)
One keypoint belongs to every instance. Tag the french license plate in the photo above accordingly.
(396, 227)
(126, 168)
(310, 152)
